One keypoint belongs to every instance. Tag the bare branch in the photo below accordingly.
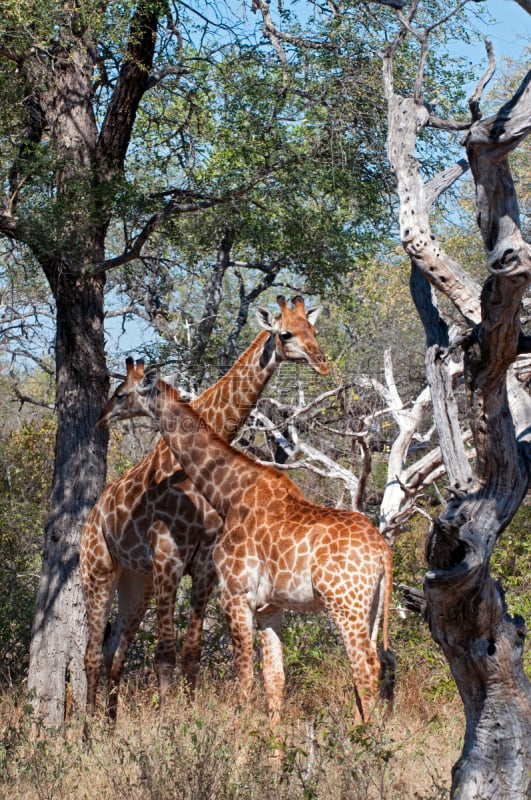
(447, 124)
(445, 412)
(419, 79)
(359, 497)
(406, 117)
(488, 144)
(314, 405)
(271, 33)
(181, 203)
(164, 72)
(474, 99)
(311, 456)
(11, 55)
(26, 398)
(525, 4)
(443, 180)
(397, 4)
(408, 423)
(132, 83)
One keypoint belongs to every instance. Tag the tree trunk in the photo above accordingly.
(464, 605)
(89, 160)
(213, 297)
(56, 673)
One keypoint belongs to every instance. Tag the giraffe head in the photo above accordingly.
(124, 402)
(293, 334)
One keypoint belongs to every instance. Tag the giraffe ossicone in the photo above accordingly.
(151, 525)
(278, 550)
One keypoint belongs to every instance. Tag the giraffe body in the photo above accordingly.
(151, 525)
(277, 550)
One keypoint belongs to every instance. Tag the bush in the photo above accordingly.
(26, 467)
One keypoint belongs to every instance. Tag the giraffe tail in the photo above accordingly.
(387, 657)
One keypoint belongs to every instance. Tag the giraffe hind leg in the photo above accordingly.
(134, 593)
(240, 624)
(203, 581)
(99, 586)
(363, 657)
(168, 571)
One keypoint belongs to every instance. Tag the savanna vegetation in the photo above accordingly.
(213, 747)
(218, 157)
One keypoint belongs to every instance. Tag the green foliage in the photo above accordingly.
(370, 313)
(511, 565)
(226, 112)
(311, 646)
(26, 464)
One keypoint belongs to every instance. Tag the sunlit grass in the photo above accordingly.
(217, 749)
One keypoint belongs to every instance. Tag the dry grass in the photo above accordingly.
(214, 749)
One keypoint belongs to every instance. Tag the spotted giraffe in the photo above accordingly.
(150, 526)
(277, 550)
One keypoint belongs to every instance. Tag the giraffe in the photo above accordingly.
(150, 526)
(277, 549)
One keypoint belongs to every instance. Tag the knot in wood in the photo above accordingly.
(505, 261)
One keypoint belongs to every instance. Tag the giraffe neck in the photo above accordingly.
(227, 404)
(219, 472)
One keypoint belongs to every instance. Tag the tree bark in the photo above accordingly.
(57, 675)
(88, 165)
(464, 605)
(213, 297)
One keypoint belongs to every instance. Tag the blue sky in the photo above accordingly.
(511, 32)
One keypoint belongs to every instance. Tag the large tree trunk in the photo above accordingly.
(88, 161)
(464, 605)
(56, 672)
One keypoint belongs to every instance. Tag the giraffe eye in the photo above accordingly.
(285, 335)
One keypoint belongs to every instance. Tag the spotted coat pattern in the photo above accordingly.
(278, 550)
(151, 525)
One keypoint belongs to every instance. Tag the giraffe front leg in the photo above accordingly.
(269, 621)
(168, 574)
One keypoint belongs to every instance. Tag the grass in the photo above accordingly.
(213, 748)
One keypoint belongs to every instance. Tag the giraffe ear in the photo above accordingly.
(313, 313)
(265, 318)
(149, 382)
(267, 352)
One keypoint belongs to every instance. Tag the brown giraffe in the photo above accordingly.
(277, 550)
(150, 526)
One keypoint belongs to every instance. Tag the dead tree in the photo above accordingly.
(464, 605)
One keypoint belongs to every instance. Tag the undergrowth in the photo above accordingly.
(213, 748)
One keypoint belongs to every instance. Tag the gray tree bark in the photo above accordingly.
(465, 607)
(68, 240)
